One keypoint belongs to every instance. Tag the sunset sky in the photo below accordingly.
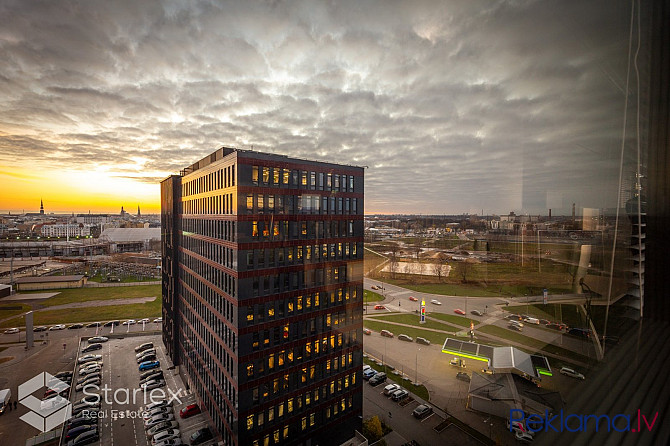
(454, 106)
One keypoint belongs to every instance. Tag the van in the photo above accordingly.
(532, 320)
(5, 396)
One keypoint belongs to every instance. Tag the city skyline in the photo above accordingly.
(454, 107)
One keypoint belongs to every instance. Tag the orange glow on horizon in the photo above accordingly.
(65, 191)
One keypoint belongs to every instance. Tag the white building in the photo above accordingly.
(65, 230)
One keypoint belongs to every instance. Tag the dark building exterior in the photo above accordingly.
(263, 294)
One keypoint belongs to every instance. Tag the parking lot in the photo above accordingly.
(120, 419)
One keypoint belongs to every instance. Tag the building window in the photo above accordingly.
(250, 422)
(285, 176)
(250, 369)
(275, 175)
(254, 229)
(266, 175)
(254, 174)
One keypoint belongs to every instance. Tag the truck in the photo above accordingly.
(5, 396)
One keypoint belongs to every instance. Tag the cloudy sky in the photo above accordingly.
(454, 106)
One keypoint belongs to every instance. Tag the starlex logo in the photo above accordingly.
(579, 422)
(48, 414)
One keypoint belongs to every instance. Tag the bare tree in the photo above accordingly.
(438, 268)
(393, 259)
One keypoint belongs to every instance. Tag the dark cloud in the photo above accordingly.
(453, 106)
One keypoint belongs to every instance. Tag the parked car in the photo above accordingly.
(367, 331)
(145, 358)
(514, 317)
(40, 328)
(57, 327)
(148, 414)
(477, 313)
(60, 375)
(150, 374)
(11, 331)
(149, 365)
(88, 437)
(200, 436)
(189, 411)
(158, 419)
(388, 390)
(97, 339)
(515, 322)
(143, 347)
(386, 333)
(158, 319)
(435, 302)
(556, 326)
(91, 368)
(93, 384)
(420, 340)
(399, 395)
(369, 373)
(151, 351)
(129, 322)
(406, 338)
(580, 332)
(76, 422)
(532, 320)
(463, 376)
(377, 379)
(459, 311)
(154, 384)
(157, 404)
(75, 326)
(161, 427)
(514, 327)
(91, 347)
(167, 434)
(144, 320)
(93, 324)
(88, 358)
(571, 372)
(422, 411)
(84, 378)
(413, 299)
(380, 307)
(110, 323)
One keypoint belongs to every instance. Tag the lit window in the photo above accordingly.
(328, 412)
(286, 327)
(271, 312)
(280, 358)
(250, 314)
(250, 422)
(285, 435)
(260, 419)
(280, 410)
(250, 202)
(250, 369)
(303, 376)
(271, 414)
(289, 356)
(254, 174)
(254, 229)
(299, 303)
(304, 423)
(290, 308)
(289, 405)
(285, 176)
(308, 399)
(308, 301)
(275, 175)
(275, 390)
(303, 178)
(271, 361)
(275, 230)
(316, 300)
(266, 174)
(275, 436)
(312, 419)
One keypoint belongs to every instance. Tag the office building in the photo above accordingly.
(263, 294)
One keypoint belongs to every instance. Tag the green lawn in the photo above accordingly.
(7, 310)
(567, 313)
(412, 319)
(432, 336)
(452, 319)
(371, 296)
(99, 278)
(92, 314)
(67, 296)
(419, 391)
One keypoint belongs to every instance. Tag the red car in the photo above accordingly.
(380, 307)
(459, 311)
(413, 299)
(190, 410)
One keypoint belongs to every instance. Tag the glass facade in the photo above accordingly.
(265, 297)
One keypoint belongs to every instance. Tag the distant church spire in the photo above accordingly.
(41, 207)
(138, 210)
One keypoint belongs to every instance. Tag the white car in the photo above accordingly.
(129, 322)
(158, 419)
(167, 434)
(145, 320)
(88, 358)
(57, 327)
(436, 302)
(571, 373)
(149, 385)
(147, 415)
(11, 331)
(97, 339)
(90, 368)
(158, 319)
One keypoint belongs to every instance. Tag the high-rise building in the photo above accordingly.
(263, 294)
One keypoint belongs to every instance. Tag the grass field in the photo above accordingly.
(566, 313)
(92, 314)
(68, 296)
(99, 278)
(411, 319)
(419, 391)
(371, 296)
(432, 336)
(456, 320)
(6, 310)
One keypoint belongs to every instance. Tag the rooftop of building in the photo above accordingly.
(131, 234)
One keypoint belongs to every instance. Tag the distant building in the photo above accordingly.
(49, 282)
(131, 239)
(66, 230)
